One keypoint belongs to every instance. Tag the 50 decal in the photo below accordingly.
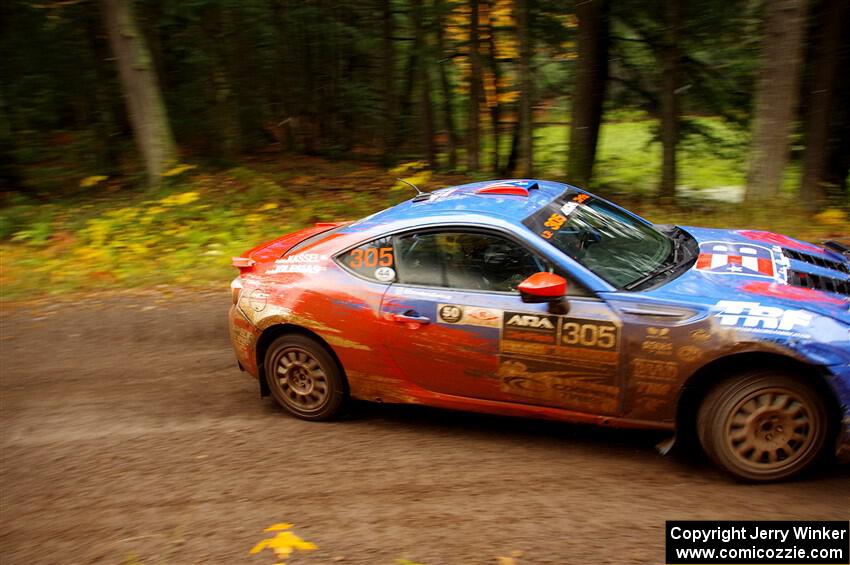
(589, 334)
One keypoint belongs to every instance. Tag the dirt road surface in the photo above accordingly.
(129, 436)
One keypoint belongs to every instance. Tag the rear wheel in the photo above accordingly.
(303, 378)
(763, 425)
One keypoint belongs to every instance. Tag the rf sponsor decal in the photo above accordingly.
(755, 317)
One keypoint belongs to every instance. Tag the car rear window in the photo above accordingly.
(374, 260)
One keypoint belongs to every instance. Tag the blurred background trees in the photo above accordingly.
(488, 87)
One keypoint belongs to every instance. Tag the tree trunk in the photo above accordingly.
(448, 109)
(423, 78)
(9, 173)
(669, 98)
(821, 99)
(525, 117)
(105, 126)
(472, 129)
(591, 81)
(838, 162)
(513, 156)
(389, 120)
(217, 27)
(495, 74)
(141, 90)
(777, 92)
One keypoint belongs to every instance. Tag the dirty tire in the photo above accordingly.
(304, 378)
(763, 425)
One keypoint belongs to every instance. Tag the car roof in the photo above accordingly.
(466, 199)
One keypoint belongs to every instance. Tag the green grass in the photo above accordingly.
(629, 157)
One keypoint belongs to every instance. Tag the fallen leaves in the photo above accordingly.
(284, 543)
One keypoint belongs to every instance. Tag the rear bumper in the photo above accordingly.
(243, 337)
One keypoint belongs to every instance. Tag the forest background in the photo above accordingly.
(144, 143)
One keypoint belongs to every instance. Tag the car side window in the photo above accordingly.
(464, 260)
(374, 260)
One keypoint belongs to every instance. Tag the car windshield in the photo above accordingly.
(615, 246)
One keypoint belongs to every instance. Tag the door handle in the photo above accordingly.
(411, 316)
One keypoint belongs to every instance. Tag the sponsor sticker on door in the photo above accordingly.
(456, 314)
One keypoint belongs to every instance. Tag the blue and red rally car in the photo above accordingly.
(535, 298)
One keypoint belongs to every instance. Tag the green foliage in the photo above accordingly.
(186, 233)
(629, 154)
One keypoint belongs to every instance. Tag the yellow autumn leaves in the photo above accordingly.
(174, 171)
(283, 543)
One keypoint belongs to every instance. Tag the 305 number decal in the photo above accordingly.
(371, 257)
(589, 335)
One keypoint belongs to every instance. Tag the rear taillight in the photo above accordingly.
(235, 289)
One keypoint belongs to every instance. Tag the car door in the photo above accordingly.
(460, 327)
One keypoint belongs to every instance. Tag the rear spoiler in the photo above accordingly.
(242, 263)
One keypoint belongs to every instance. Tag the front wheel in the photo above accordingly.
(763, 426)
(304, 378)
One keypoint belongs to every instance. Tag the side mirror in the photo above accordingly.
(543, 287)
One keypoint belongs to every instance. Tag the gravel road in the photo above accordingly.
(130, 436)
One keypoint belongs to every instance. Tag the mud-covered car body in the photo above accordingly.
(637, 354)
